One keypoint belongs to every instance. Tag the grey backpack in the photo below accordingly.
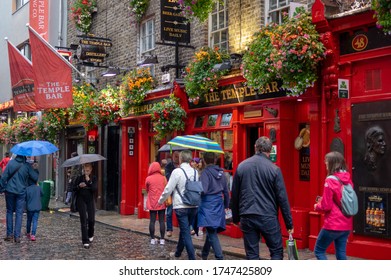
(349, 201)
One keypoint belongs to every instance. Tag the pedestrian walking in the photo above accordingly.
(72, 174)
(336, 227)
(184, 213)
(4, 161)
(174, 163)
(15, 180)
(214, 201)
(258, 193)
(155, 184)
(85, 187)
(33, 207)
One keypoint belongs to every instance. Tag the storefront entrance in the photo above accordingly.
(253, 132)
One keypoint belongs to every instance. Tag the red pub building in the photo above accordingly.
(349, 106)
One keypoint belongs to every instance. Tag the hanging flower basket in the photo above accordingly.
(53, 121)
(382, 10)
(24, 129)
(199, 9)
(167, 117)
(105, 107)
(81, 14)
(134, 88)
(6, 135)
(138, 8)
(200, 76)
(289, 52)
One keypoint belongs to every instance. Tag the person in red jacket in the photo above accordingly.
(4, 161)
(155, 184)
(337, 226)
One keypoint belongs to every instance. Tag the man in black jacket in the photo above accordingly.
(257, 194)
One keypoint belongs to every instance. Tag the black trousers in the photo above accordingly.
(86, 208)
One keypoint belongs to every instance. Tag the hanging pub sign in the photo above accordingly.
(93, 49)
(362, 40)
(174, 26)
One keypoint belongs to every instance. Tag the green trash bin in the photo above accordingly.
(45, 186)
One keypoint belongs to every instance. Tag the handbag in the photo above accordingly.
(74, 202)
(292, 248)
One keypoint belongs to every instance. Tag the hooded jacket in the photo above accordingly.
(155, 184)
(211, 210)
(334, 219)
(17, 175)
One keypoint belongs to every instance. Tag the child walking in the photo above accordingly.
(33, 205)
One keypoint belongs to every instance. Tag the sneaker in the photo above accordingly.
(169, 233)
(172, 256)
(28, 235)
(9, 238)
(162, 242)
(153, 241)
(32, 238)
(86, 246)
(91, 239)
(192, 232)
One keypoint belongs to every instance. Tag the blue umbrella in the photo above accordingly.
(34, 148)
(197, 143)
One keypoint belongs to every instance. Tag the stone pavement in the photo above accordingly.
(231, 246)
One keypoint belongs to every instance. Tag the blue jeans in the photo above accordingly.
(14, 203)
(169, 218)
(326, 237)
(32, 218)
(185, 216)
(212, 239)
(253, 226)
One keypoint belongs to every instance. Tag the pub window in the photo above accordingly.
(226, 119)
(20, 3)
(147, 36)
(199, 121)
(26, 50)
(275, 10)
(218, 26)
(212, 119)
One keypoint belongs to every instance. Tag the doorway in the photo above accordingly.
(113, 154)
(253, 132)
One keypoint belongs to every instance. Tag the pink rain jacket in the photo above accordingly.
(155, 184)
(334, 219)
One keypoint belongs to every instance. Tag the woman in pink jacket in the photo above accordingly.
(155, 184)
(337, 226)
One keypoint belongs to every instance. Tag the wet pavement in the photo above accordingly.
(117, 237)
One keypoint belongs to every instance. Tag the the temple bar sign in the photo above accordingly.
(174, 27)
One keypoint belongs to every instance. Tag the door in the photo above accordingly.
(253, 132)
(112, 186)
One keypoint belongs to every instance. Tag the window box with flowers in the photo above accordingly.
(382, 10)
(81, 14)
(134, 88)
(167, 117)
(289, 52)
(199, 9)
(138, 8)
(201, 77)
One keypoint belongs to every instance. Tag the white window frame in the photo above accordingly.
(144, 35)
(219, 7)
(289, 7)
(25, 49)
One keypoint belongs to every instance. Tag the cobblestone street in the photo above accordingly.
(59, 238)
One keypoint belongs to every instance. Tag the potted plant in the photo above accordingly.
(134, 88)
(289, 52)
(138, 8)
(81, 14)
(382, 10)
(199, 9)
(201, 77)
(167, 116)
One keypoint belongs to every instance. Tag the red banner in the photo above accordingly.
(39, 17)
(52, 75)
(22, 80)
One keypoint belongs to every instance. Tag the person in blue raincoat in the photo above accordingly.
(214, 203)
(16, 178)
